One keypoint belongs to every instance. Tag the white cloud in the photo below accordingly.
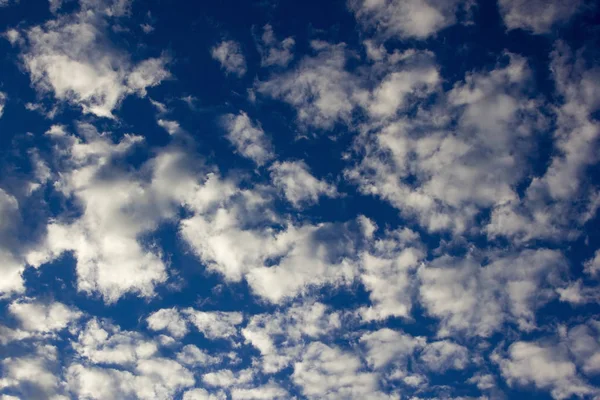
(584, 343)
(3, 98)
(537, 16)
(387, 272)
(11, 264)
(270, 391)
(280, 337)
(457, 155)
(273, 51)
(444, 355)
(387, 346)
(193, 356)
(215, 324)
(39, 317)
(100, 342)
(168, 319)
(229, 54)
(476, 300)
(248, 138)
(298, 185)
(406, 18)
(202, 394)
(547, 210)
(117, 207)
(326, 372)
(319, 89)
(592, 266)
(72, 58)
(227, 378)
(546, 367)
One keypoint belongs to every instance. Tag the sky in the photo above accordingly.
(278, 199)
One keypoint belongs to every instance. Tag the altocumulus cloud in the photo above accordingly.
(365, 199)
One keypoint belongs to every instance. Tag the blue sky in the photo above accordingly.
(361, 199)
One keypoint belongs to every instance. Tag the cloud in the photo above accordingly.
(298, 185)
(386, 346)
(38, 317)
(274, 52)
(248, 138)
(537, 16)
(229, 54)
(320, 90)
(326, 372)
(168, 319)
(592, 266)
(547, 210)
(72, 58)
(546, 366)
(387, 273)
(476, 300)
(457, 155)
(216, 324)
(11, 265)
(116, 208)
(444, 355)
(3, 98)
(281, 337)
(417, 19)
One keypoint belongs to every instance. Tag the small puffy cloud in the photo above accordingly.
(298, 185)
(322, 92)
(273, 51)
(229, 54)
(248, 138)
(280, 337)
(326, 372)
(11, 264)
(3, 98)
(100, 342)
(270, 391)
(387, 346)
(537, 16)
(476, 300)
(227, 378)
(592, 266)
(39, 317)
(444, 355)
(193, 356)
(72, 58)
(215, 324)
(168, 319)
(547, 367)
(406, 18)
(202, 394)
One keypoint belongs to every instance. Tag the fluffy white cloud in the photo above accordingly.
(100, 342)
(116, 208)
(537, 16)
(229, 54)
(592, 266)
(298, 185)
(72, 58)
(546, 366)
(457, 155)
(387, 272)
(3, 98)
(168, 319)
(273, 51)
(584, 343)
(326, 372)
(215, 324)
(407, 18)
(320, 89)
(39, 317)
(270, 391)
(11, 264)
(476, 300)
(444, 355)
(387, 346)
(280, 337)
(547, 210)
(248, 138)
(201, 394)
